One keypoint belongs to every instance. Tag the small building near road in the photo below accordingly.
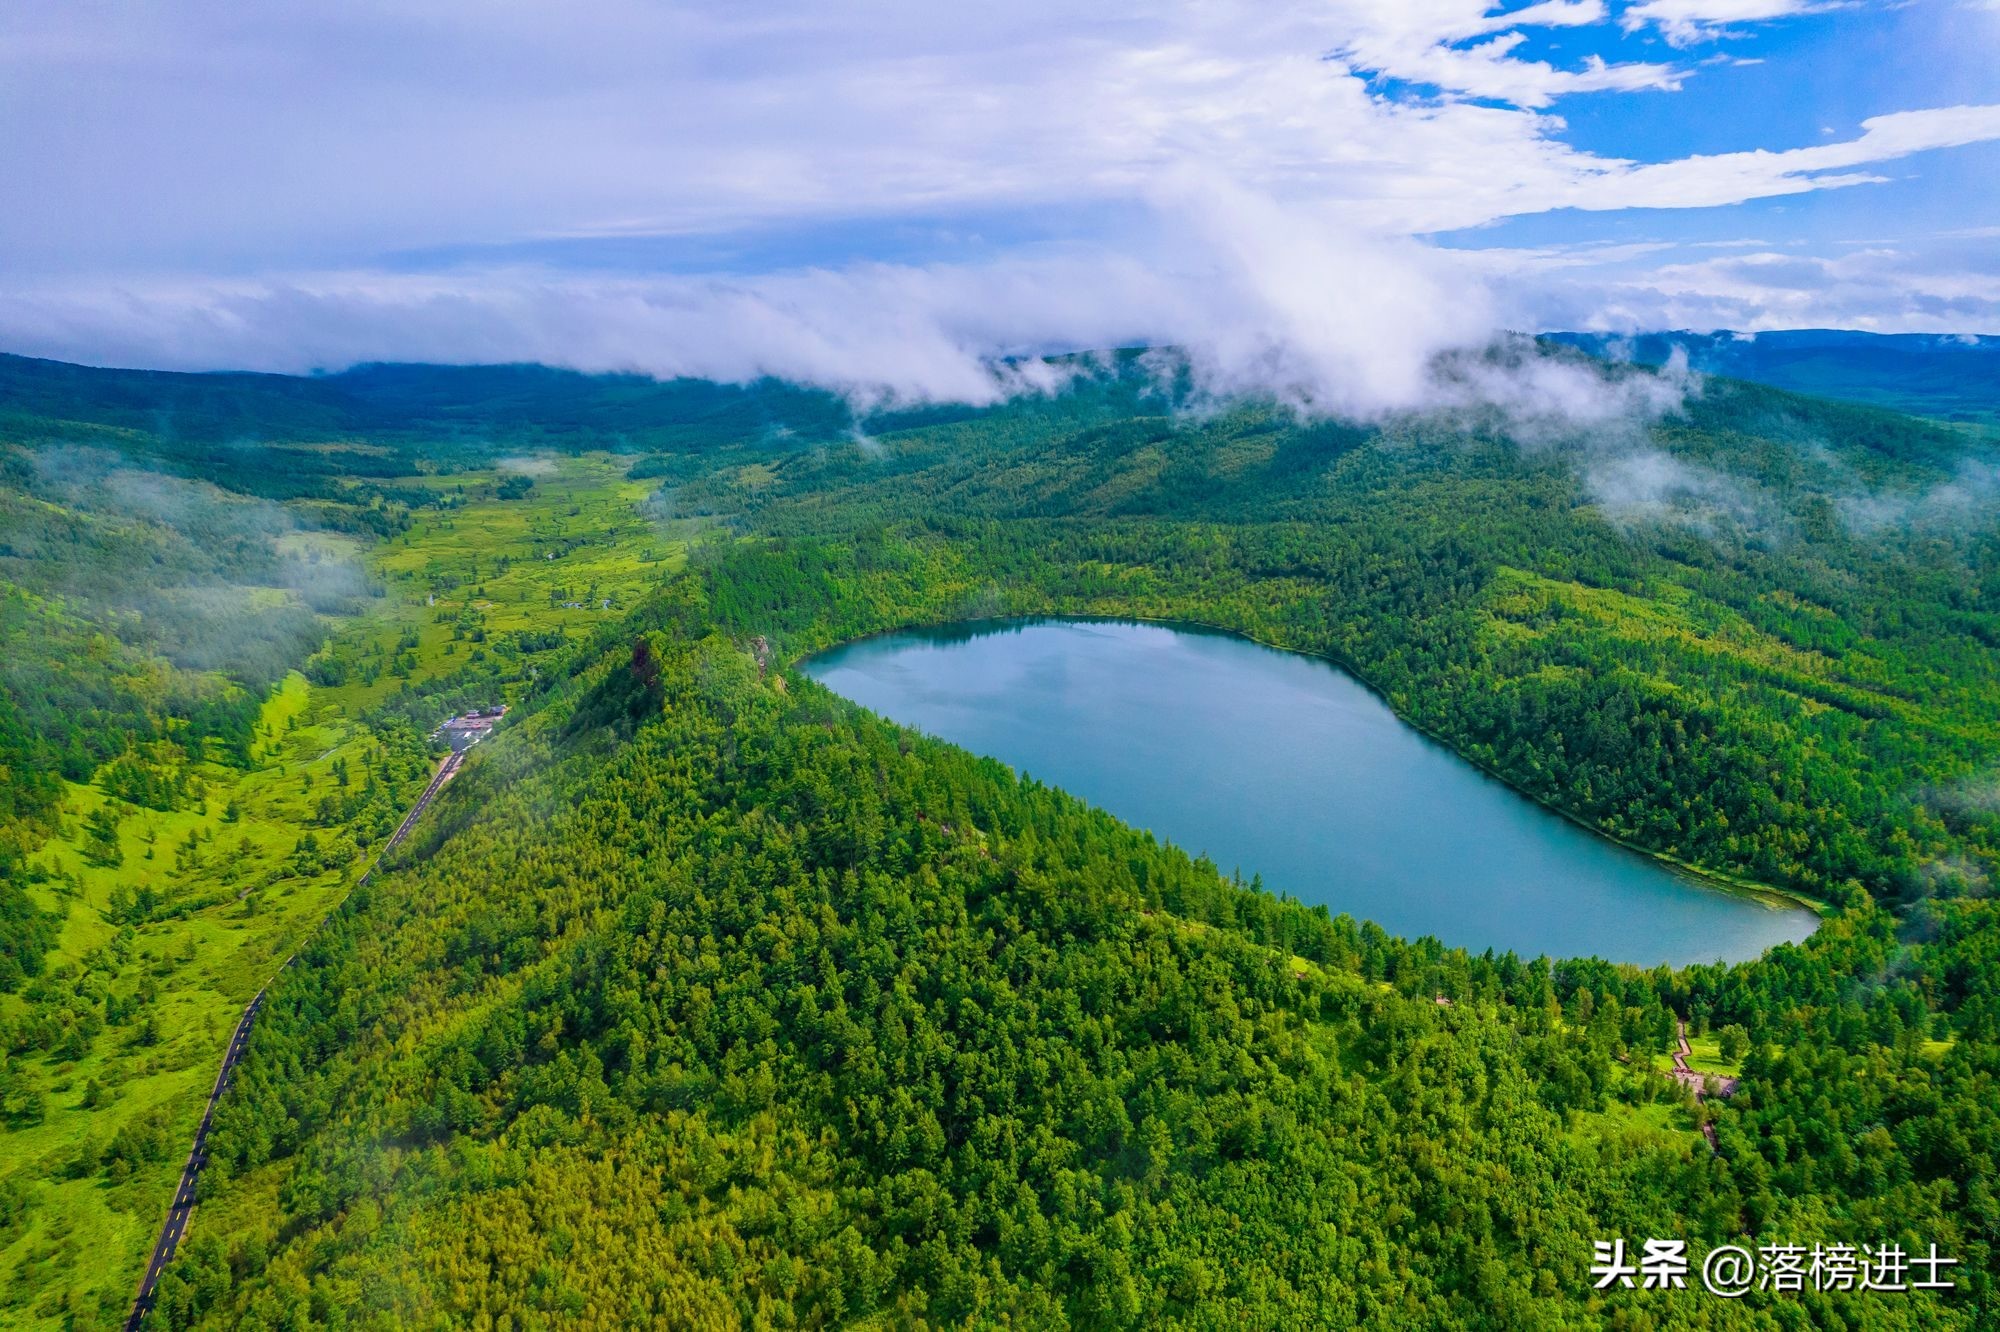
(468, 729)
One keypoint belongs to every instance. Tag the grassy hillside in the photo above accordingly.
(212, 816)
(714, 1001)
(704, 999)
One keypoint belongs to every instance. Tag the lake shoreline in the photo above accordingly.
(1766, 895)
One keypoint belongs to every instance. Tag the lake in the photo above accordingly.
(1279, 764)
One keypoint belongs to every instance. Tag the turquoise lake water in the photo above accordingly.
(1283, 765)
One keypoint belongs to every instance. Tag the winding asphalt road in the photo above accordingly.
(182, 1209)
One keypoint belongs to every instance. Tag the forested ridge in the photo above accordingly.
(1760, 689)
(717, 1000)
(705, 999)
(215, 686)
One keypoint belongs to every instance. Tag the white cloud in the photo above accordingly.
(210, 183)
(1645, 485)
(1726, 178)
(212, 135)
(1937, 284)
(1463, 47)
(1686, 22)
(1330, 320)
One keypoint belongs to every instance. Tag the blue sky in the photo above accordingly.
(885, 195)
(1814, 77)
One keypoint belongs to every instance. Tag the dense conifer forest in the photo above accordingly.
(704, 998)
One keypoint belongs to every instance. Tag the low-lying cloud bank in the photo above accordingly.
(1266, 299)
(1263, 301)
(1253, 183)
(177, 566)
(1327, 324)
(1259, 299)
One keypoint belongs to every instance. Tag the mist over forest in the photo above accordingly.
(1326, 664)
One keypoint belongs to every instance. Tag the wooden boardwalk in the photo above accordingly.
(1703, 1085)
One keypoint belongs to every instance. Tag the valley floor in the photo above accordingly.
(199, 906)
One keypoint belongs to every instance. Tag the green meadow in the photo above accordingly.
(722, 1002)
(175, 930)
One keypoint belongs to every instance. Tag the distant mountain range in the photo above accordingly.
(562, 407)
(1943, 377)
(1951, 377)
